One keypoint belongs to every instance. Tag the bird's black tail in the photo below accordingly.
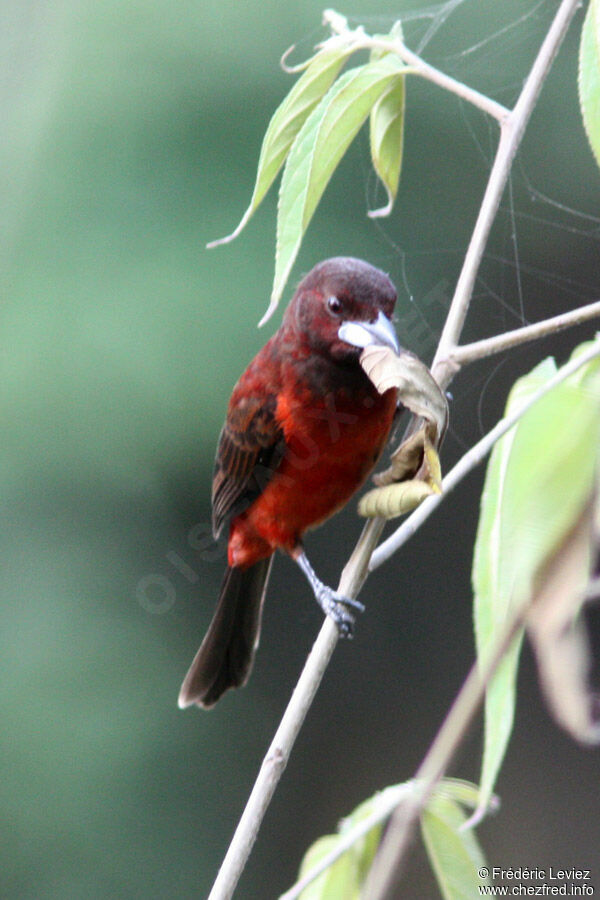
(225, 657)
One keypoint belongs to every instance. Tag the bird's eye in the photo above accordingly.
(334, 305)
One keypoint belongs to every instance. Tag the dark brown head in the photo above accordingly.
(341, 306)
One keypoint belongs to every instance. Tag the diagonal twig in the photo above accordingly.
(467, 353)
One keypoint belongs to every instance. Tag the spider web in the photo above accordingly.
(539, 260)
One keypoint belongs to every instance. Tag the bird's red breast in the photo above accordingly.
(333, 437)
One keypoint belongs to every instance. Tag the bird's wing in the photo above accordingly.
(250, 448)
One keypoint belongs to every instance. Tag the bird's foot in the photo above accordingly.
(335, 606)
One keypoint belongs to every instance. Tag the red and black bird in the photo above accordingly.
(304, 428)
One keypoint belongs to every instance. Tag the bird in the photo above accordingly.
(304, 428)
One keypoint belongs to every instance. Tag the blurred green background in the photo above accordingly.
(130, 134)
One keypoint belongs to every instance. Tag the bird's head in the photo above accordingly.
(341, 306)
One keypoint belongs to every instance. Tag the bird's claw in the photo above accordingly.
(351, 602)
(334, 605)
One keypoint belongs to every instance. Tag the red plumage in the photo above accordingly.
(304, 428)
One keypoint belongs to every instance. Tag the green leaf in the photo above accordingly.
(453, 851)
(317, 150)
(463, 792)
(343, 879)
(555, 557)
(589, 76)
(339, 882)
(590, 372)
(364, 850)
(395, 34)
(386, 129)
(552, 474)
(386, 133)
(538, 480)
(287, 121)
(492, 585)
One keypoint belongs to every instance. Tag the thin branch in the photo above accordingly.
(274, 763)
(420, 67)
(468, 353)
(359, 40)
(356, 569)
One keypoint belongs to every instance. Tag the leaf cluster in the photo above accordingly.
(314, 126)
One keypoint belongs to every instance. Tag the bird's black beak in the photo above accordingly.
(364, 334)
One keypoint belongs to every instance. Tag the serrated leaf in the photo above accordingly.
(589, 76)
(453, 851)
(315, 153)
(287, 121)
(386, 135)
(538, 481)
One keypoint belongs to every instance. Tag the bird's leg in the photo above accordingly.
(333, 604)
